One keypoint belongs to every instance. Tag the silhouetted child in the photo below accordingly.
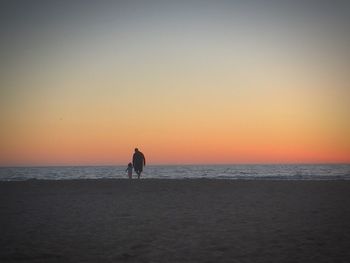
(129, 170)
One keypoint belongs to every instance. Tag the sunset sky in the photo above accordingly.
(85, 82)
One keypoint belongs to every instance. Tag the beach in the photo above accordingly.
(155, 220)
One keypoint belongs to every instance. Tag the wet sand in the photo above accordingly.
(175, 221)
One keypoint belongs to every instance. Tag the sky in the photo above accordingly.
(187, 82)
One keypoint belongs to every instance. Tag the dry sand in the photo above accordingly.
(175, 221)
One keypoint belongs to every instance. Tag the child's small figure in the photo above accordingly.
(129, 170)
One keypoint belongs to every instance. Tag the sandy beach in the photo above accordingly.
(175, 221)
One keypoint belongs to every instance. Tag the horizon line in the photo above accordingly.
(176, 164)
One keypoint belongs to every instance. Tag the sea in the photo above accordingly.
(233, 172)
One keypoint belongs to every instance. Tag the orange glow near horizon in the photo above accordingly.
(174, 138)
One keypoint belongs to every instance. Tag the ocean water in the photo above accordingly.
(245, 172)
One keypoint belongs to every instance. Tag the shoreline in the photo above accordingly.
(220, 172)
(267, 179)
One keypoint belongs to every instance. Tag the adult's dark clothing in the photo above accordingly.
(138, 161)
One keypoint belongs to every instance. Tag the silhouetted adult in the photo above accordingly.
(138, 161)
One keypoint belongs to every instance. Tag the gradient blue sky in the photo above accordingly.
(83, 82)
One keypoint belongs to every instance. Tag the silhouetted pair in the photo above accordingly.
(138, 161)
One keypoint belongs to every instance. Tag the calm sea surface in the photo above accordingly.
(247, 172)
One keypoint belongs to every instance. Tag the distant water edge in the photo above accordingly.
(234, 172)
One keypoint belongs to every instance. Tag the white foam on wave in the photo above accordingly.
(243, 172)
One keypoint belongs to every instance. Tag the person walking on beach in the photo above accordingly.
(129, 170)
(138, 161)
